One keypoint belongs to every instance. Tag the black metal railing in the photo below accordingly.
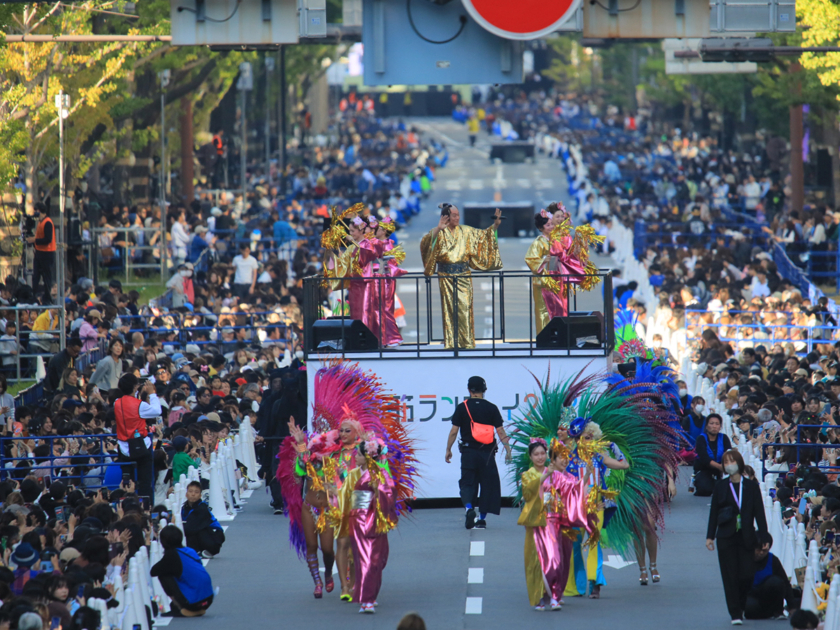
(502, 333)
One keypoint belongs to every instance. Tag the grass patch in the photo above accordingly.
(15, 388)
(149, 287)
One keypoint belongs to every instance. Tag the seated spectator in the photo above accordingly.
(182, 461)
(203, 532)
(771, 585)
(182, 575)
(710, 447)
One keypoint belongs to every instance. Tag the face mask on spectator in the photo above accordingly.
(731, 469)
(683, 392)
(255, 406)
(299, 355)
(700, 409)
(186, 273)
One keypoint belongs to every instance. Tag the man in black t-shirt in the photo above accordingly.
(479, 476)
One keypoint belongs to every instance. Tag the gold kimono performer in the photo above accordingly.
(453, 250)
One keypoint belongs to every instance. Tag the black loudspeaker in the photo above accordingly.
(329, 335)
(578, 331)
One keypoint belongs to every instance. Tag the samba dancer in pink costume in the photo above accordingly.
(368, 504)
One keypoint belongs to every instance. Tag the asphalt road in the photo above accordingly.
(458, 579)
(440, 570)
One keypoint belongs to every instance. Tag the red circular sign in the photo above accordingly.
(523, 19)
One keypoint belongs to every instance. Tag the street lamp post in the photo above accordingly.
(245, 83)
(164, 82)
(62, 105)
(269, 70)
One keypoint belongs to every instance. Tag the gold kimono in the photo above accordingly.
(453, 253)
(536, 259)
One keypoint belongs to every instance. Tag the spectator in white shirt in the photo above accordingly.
(752, 193)
(9, 347)
(759, 287)
(246, 272)
(180, 239)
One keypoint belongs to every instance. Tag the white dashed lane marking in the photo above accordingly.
(473, 606)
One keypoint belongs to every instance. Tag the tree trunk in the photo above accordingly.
(187, 148)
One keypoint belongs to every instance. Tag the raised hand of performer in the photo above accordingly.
(296, 432)
(497, 219)
(442, 223)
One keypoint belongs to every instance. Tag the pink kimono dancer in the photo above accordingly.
(554, 549)
(370, 550)
(380, 298)
(569, 271)
(358, 292)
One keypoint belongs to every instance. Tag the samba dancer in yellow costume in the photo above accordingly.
(453, 250)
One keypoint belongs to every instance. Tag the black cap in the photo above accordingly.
(476, 384)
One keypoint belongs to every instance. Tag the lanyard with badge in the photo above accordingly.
(738, 501)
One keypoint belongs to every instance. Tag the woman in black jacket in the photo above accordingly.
(709, 447)
(737, 512)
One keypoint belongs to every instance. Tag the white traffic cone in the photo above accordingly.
(831, 606)
(160, 596)
(809, 596)
(217, 498)
(137, 589)
(144, 577)
(130, 618)
(776, 529)
(800, 557)
(787, 552)
(230, 467)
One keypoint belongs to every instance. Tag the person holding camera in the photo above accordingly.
(43, 264)
(478, 420)
(134, 412)
(452, 250)
(736, 519)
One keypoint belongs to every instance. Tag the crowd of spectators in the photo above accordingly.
(63, 544)
(706, 222)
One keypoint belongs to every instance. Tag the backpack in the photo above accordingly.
(482, 433)
(175, 416)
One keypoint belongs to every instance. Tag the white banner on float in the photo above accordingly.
(430, 389)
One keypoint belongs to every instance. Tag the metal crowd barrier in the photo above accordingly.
(39, 343)
(504, 290)
(126, 255)
(799, 445)
(669, 232)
